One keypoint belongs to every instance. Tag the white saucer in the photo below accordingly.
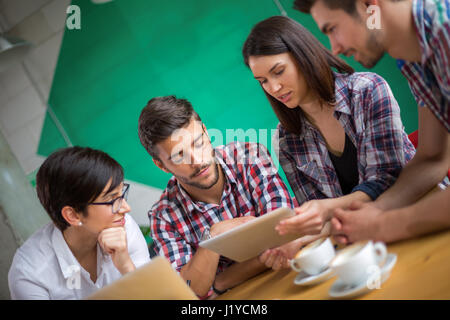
(341, 290)
(304, 279)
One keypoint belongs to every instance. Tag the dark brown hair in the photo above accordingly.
(160, 118)
(74, 177)
(348, 6)
(280, 34)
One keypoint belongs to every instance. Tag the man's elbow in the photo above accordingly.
(434, 158)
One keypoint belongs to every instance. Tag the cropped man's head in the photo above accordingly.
(349, 27)
(173, 134)
(305, 6)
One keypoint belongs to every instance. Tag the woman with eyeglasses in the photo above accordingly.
(341, 138)
(91, 241)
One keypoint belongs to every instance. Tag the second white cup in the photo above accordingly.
(355, 263)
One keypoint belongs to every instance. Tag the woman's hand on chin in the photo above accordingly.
(114, 242)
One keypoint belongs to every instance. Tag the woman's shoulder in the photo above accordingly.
(361, 81)
(282, 133)
(281, 137)
(40, 241)
(280, 129)
(363, 91)
(35, 252)
(285, 138)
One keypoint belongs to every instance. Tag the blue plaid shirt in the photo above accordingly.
(370, 117)
(429, 80)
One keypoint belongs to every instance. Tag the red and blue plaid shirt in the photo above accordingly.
(429, 80)
(370, 116)
(252, 188)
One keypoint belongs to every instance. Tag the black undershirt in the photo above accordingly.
(346, 166)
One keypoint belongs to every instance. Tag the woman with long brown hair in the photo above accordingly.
(340, 135)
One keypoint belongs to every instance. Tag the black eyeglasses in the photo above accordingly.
(117, 202)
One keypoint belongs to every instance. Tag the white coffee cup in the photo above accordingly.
(354, 264)
(315, 257)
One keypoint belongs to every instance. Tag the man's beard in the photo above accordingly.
(199, 185)
(375, 48)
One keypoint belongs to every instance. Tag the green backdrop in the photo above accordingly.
(129, 51)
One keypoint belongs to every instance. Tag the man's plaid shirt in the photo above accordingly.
(429, 80)
(252, 188)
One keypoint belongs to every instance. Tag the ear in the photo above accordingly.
(160, 165)
(71, 216)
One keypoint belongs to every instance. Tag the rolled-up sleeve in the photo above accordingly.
(385, 146)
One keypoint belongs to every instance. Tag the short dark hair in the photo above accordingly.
(348, 6)
(74, 177)
(160, 118)
(280, 34)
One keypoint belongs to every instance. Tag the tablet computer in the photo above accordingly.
(156, 280)
(248, 240)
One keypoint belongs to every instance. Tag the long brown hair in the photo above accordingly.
(281, 34)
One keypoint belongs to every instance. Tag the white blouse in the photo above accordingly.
(45, 268)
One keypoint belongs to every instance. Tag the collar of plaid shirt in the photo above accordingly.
(341, 107)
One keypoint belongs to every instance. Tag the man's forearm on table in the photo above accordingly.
(344, 202)
(432, 213)
(201, 270)
(417, 178)
(238, 273)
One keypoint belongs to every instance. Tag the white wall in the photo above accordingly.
(25, 87)
(9, 246)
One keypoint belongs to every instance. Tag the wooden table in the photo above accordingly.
(422, 271)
